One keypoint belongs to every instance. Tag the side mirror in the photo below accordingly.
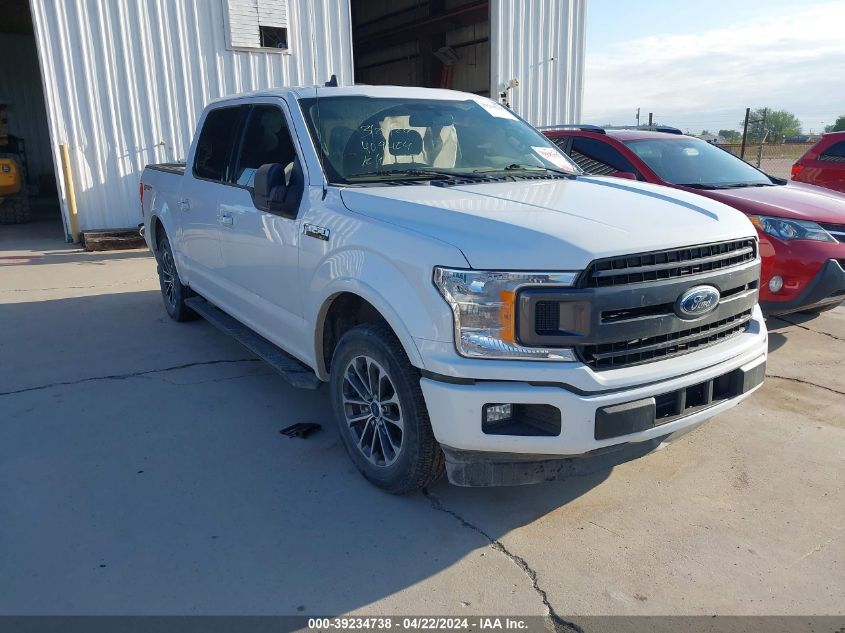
(624, 174)
(274, 193)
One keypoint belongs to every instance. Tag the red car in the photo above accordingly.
(801, 227)
(824, 163)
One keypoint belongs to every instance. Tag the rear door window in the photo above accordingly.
(214, 147)
(595, 157)
(835, 153)
(564, 143)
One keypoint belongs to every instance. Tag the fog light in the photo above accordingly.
(497, 412)
(776, 283)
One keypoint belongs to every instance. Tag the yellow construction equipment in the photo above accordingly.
(14, 198)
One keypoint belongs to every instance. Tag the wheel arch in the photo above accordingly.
(347, 307)
(157, 231)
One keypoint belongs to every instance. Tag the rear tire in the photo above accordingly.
(380, 411)
(172, 291)
(15, 210)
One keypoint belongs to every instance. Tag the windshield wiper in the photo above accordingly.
(696, 185)
(528, 168)
(725, 185)
(420, 174)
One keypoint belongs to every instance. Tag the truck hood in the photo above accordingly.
(551, 224)
(795, 200)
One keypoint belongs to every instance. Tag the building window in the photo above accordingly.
(273, 36)
(261, 24)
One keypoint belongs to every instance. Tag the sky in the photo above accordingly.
(698, 65)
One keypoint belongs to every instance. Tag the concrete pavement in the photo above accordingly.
(142, 471)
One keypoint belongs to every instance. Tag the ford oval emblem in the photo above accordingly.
(696, 302)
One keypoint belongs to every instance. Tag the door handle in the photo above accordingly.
(184, 204)
(226, 219)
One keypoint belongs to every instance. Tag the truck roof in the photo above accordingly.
(637, 135)
(305, 92)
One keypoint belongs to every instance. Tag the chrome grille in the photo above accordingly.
(667, 264)
(645, 350)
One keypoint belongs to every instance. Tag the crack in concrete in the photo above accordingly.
(115, 285)
(806, 382)
(126, 376)
(191, 383)
(560, 625)
(606, 529)
(819, 547)
(804, 327)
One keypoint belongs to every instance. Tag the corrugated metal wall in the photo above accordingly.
(540, 43)
(126, 80)
(20, 87)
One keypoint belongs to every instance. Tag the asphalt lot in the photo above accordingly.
(142, 471)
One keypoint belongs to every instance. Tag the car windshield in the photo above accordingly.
(695, 163)
(370, 140)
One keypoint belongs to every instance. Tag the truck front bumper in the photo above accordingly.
(589, 429)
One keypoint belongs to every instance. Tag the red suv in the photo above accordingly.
(824, 163)
(801, 227)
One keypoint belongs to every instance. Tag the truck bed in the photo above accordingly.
(170, 168)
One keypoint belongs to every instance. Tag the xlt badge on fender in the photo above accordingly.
(697, 301)
(320, 232)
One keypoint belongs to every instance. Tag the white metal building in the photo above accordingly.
(122, 83)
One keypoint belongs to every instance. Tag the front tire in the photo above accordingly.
(172, 291)
(381, 412)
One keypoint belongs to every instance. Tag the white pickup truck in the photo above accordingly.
(474, 302)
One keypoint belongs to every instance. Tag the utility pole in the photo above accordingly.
(650, 118)
(638, 117)
(744, 133)
(765, 133)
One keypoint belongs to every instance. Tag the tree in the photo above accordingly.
(731, 136)
(779, 123)
(839, 126)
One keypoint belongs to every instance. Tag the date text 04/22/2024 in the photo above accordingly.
(417, 623)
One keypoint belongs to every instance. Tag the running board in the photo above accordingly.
(295, 372)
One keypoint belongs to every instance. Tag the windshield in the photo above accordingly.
(696, 163)
(368, 139)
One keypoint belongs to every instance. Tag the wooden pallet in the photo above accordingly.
(112, 239)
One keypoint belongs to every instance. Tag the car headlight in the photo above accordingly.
(791, 229)
(484, 308)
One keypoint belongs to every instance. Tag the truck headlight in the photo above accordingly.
(484, 308)
(791, 229)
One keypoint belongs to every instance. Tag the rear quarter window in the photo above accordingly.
(835, 153)
(596, 157)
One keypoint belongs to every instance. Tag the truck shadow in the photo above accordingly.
(776, 340)
(72, 254)
(144, 466)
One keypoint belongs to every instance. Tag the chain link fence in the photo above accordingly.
(776, 159)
